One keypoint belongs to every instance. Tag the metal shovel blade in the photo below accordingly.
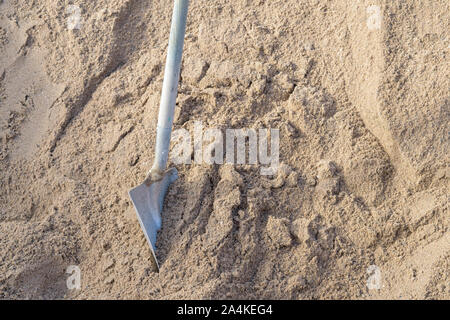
(148, 202)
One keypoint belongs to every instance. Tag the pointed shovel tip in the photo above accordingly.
(148, 202)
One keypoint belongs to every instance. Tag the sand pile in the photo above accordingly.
(358, 89)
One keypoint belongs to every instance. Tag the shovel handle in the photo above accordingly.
(169, 89)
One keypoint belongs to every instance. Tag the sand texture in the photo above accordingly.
(363, 108)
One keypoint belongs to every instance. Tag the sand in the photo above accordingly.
(359, 207)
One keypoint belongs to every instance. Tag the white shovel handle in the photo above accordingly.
(170, 88)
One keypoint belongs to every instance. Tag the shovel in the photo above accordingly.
(148, 198)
